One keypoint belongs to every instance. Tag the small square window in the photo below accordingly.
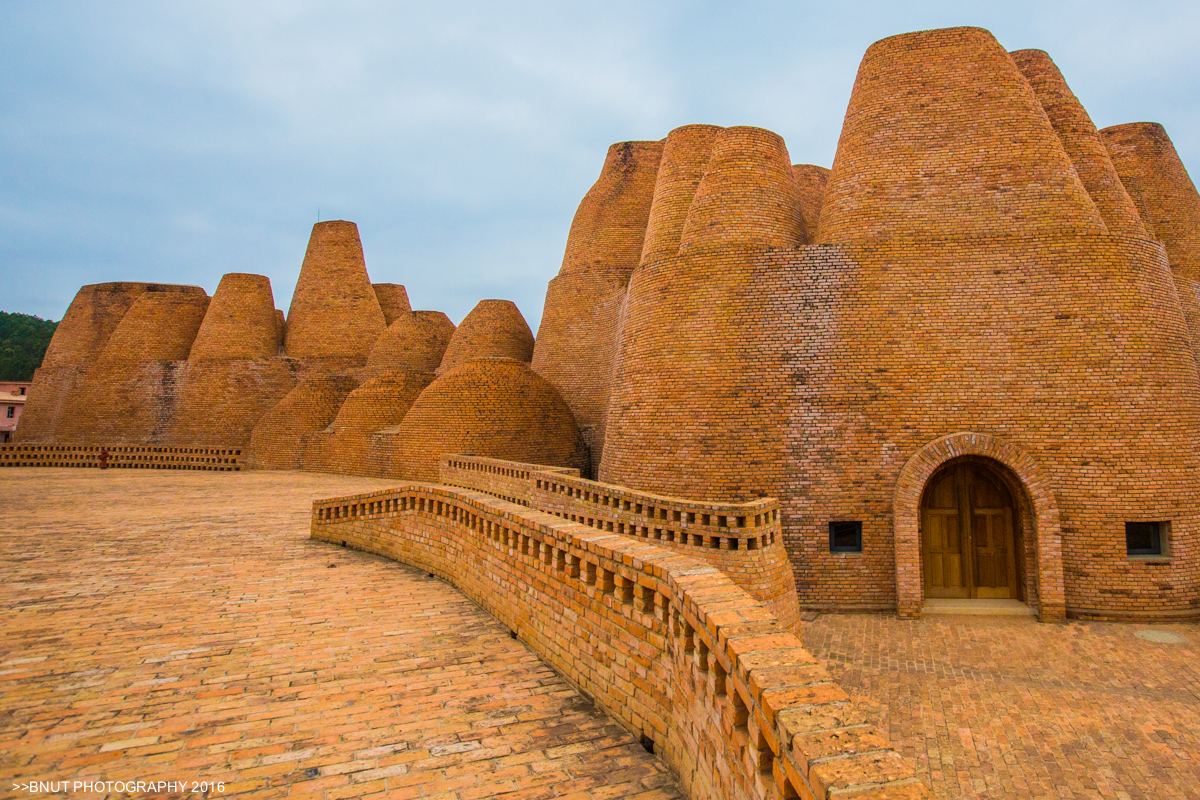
(1145, 538)
(845, 537)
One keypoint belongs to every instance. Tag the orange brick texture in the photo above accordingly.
(415, 343)
(493, 329)
(1156, 178)
(240, 322)
(741, 539)
(226, 651)
(233, 375)
(1011, 307)
(335, 318)
(344, 447)
(810, 183)
(120, 457)
(494, 407)
(393, 301)
(666, 644)
(128, 394)
(577, 338)
(78, 341)
(280, 438)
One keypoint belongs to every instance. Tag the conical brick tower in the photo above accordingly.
(335, 318)
(576, 341)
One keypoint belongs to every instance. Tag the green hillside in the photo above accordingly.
(23, 342)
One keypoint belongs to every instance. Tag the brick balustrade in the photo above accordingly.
(665, 643)
(219, 459)
(740, 539)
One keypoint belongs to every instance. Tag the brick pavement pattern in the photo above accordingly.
(994, 707)
(182, 626)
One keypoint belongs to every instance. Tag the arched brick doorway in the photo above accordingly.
(972, 542)
(1034, 515)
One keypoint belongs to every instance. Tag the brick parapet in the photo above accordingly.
(120, 456)
(665, 644)
(741, 539)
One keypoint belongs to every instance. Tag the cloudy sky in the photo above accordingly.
(178, 141)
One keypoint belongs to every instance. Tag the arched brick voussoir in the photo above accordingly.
(906, 507)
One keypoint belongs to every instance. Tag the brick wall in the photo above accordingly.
(493, 329)
(1081, 141)
(743, 540)
(1157, 180)
(240, 321)
(665, 644)
(219, 459)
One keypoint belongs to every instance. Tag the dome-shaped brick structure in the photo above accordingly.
(281, 436)
(493, 329)
(378, 403)
(495, 407)
(415, 342)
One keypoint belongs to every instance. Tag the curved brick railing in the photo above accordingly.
(560, 491)
(665, 643)
(218, 459)
(743, 540)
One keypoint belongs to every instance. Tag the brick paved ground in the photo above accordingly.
(181, 626)
(1009, 708)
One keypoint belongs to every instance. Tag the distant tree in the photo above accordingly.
(23, 342)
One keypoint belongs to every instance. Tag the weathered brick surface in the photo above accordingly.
(815, 374)
(577, 338)
(183, 627)
(900, 163)
(239, 323)
(128, 394)
(1081, 141)
(335, 317)
(810, 183)
(748, 198)
(494, 407)
(1156, 178)
(382, 402)
(220, 402)
(493, 329)
(665, 643)
(393, 301)
(90, 319)
(280, 438)
(205, 459)
(1001, 707)
(413, 343)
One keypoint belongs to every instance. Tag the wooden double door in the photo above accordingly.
(968, 546)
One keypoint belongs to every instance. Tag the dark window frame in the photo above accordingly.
(840, 528)
(1157, 531)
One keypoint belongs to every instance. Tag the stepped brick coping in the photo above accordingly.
(121, 456)
(619, 509)
(664, 643)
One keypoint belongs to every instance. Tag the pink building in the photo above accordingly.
(12, 401)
